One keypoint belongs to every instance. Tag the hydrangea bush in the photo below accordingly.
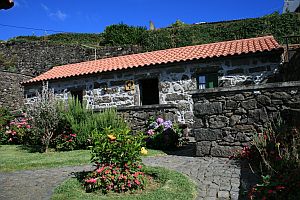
(117, 156)
(17, 130)
(162, 134)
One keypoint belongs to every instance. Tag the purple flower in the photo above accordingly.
(167, 125)
(160, 120)
(150, 132)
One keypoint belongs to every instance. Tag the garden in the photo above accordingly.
(51, 134)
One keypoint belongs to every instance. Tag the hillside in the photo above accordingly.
(274, 24)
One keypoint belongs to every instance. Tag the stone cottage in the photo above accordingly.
(162, 80)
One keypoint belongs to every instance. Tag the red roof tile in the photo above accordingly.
(219, 49)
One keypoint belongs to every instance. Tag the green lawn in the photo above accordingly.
(14, 158)
(171, 185)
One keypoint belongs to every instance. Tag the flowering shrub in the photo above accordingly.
(66, 141)
(117, 155)
(15, 130)
(113, 177)
(5, 118)
(274, 154)
(162, 134)
(19, 130)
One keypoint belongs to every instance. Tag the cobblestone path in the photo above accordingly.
(217, 178)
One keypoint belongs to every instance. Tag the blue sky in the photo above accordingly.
(94, 15)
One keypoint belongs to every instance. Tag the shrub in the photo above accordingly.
(122, 34)
(66, 141)
(79, 120)
(5, 118)
(19, 130)
(274, 154)
(117, 155)
(76, 119)
(45, 116)
(162, 134)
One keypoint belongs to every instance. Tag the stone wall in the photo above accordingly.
(226, 118)
(11, 92)
(138, 116)
(33, 58)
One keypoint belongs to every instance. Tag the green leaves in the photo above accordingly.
(116, 146)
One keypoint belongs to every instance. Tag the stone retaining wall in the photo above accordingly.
(11, 92)
(226, 118)
(138, 116)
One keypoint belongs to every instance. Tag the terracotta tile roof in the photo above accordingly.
(219, 49)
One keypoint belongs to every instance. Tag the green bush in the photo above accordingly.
(122, 34)
(117, 154)
(82, 122)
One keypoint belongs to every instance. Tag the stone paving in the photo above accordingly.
(217, 178)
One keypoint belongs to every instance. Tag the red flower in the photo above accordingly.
(270, 191)
(137, 181)
(279, 187)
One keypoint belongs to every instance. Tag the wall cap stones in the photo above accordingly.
(246, 88)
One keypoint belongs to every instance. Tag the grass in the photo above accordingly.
(172, 185)
(15, 157)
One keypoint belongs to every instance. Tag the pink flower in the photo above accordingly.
(73, 135)
(140, 166)
(137, 182)
(92, 180)
(160, 120)
(10, 140)
(28, 126)
(70, 140)
(100, 170)
(13, 133)
(150, 132)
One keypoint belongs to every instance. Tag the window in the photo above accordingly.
(149, 91)
(207, 81)
(77, 94)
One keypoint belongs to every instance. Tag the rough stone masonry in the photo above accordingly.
(225, 119)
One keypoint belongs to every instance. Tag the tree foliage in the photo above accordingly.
(123, 34)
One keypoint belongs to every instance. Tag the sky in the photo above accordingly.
(93, 16)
